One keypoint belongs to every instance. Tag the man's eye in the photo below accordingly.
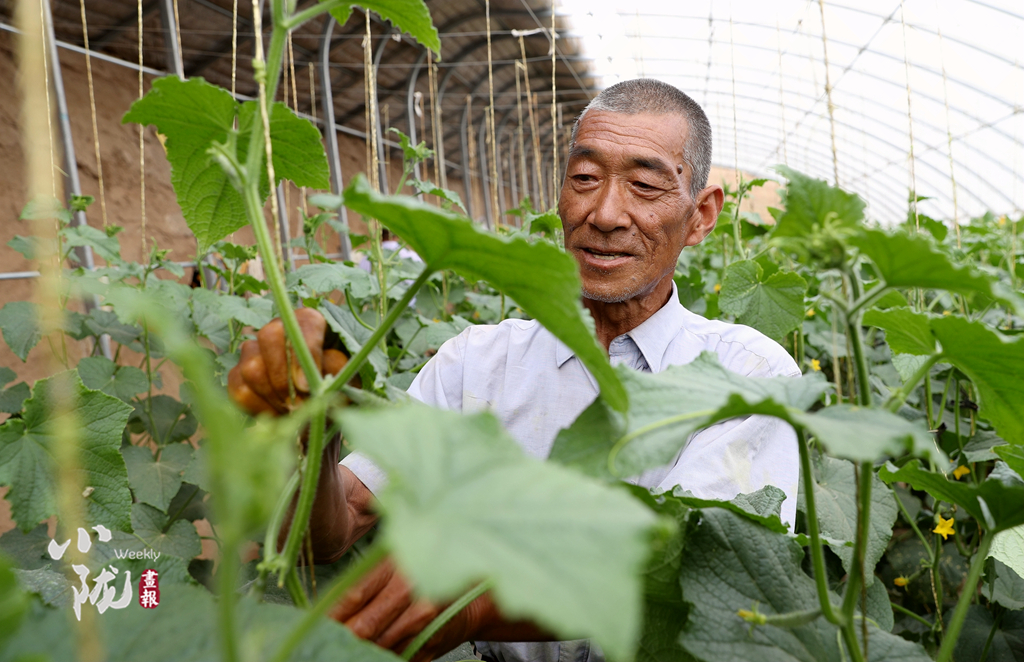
(643, 186)
(583, 178)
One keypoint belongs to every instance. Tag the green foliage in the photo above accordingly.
(774, 305)
(410, 16)
(18, 320)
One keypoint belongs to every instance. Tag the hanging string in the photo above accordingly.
(554, 111)
(386, 112)
(257, 24)
(519, 131)
(782, 97)
(432, 79)
(531, 99)
(295, 107)
(177, 29)
(735, 123)
(234, 44)
(493, 152)
(142, 142)
(370, 81)
(92, 108)
(910, 121)
(828, 96)
(471, 139)
(949, 137)
(49, 109)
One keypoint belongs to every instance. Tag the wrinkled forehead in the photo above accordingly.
(664, 135)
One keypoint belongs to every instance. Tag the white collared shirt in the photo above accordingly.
(536, 386)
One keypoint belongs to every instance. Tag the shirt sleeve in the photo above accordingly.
(438, 384)
(740, 456)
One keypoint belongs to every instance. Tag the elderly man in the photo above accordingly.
(635, 194)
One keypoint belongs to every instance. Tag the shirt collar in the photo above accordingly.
(652, 337)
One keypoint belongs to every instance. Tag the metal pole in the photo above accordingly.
(376, 104)
(170, 26)
(284, 226)
(331, 134)
(467, 176)
(411, 107)
(74, 185)
(482, 148)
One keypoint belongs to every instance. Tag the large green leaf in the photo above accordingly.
(326, 278)
(773, 305)
(543, 279)
(1004, 640)
(1008, 548)
(1007, 586)
(193, 115)
(410, 16)
(464, 504)
(811, 202)
(905, 260)
(1012, 455)
(27, 460)
(121, 381)
(835, 496)
(185, 626)
(20, 327)
(734, 564)
(906, 332)
(995, 365)
(155, 480)
(995, 504)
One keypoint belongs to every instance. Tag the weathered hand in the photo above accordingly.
(259, 383)
(382, 608)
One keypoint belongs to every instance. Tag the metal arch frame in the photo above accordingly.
(872, 118)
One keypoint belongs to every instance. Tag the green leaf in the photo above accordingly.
(1007, 547)
(543, 279)
(463, 504)
(156, 480)
(1008, 586)
(1007, 636)
(879, 608)
(193, 115)
(906, 332)
(811, 202)
(102, 322)
(995, 365)
(326, 278)
(180, 539)
(904, 260)
(297, 148)
(165, 419)
(27, 455)
(1012, 455)
(734, 564)
(353, 336)
(665, 408)
(993, 503)
(122, 382)
(763, 506)
(27, 550)
(866, 435)
(835, 495)
(409, 16)
(13, 603)
(106, 246)
(20, 325)
(447, 195)
(254, 311)
(52, 587)
(773, 305)
(13, 398)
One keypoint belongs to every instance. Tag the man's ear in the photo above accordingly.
(705, 215)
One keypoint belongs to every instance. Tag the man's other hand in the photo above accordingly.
(259, 383)
(382, 608)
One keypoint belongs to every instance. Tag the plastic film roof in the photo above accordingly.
(942, 80)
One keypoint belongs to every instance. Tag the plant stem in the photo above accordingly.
(906, 612)
(868, 299)
(357, 361)
(856, 336)
(621, 442)
(226, 585)
(307, 490)
(900, 395)
(295, 588)
(966, 597)
(913, 525)
(817, 553)
(445, 616)
(849, 631)
(353, 573)
(856, 577)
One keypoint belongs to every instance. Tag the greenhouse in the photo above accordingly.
(512, 330)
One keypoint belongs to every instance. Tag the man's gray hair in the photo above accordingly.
(646, 95)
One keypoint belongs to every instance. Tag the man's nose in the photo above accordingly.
(610, 211)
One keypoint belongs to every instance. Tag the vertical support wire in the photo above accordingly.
(264, 103)
(531, 103)
(519, 127)
(493, 161)
(828, 96)
(234, 44)
(92, 109)
(370, 82)
(431, 84)
(949, 132)
(554, 111)
(910, 121)
(735, 128)
(782, 96)
(330, 133)
(142, 142)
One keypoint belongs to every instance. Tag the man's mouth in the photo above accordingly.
(605, 255)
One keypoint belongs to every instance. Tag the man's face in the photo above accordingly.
(625, 203)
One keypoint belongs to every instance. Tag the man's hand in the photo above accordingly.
(259, 383)
(382, 608)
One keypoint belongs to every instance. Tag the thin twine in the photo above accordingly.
(257, 24)
(177, 30)
(782, 98)
(295, 107)
(531, 102)
(519, 130)
(142, 141)
(735, 129)
(49, 109)
(92, 108)
(949, 135)
(435, 123)
(828, 96)
(385, 125)
(493, 152)
(910, 122)
(370, 83)
(234, 44)
(554, 110)
(471, 139)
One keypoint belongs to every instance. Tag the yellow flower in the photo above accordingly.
(810, 312)
(901, 581)
(1002, 220)
(961, 471)
(815, 365)
(752, 617)
(945, 527)
(718, 288)
(946, 312)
